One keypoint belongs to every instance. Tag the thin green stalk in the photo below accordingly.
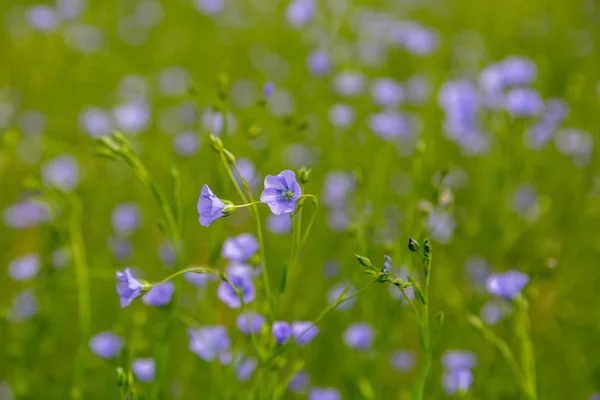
(259, 230)
(501, 345)
(205, 270)
(424, 333)
(527, 356)
(83, 286)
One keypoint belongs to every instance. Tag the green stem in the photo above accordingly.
(83, 286)
(501, 345)
(523, 332)
(259, 230)
(246, 205)
(424, 334)
(205, 270)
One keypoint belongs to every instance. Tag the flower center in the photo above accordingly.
(287, 195)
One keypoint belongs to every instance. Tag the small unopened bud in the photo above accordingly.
(121, 377)
(425, 206)
(364, 261)
(413, 245)
(216, 143)
(427, 250)
(387, 265)
(229, 208)
(446, 197)
(229, 156)
(304, 174)
(222, 86)
(254, 131)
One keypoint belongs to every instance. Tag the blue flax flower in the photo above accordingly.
(24, 268)
(299, 382)
(403, 360)
(458, 380)
(144, 369)
(128, 287)
(210, 207)
(459, 359)
(209, 342)
(508, 284)
(244, 367)
(281, 331)
(240, 248)
(281, 192)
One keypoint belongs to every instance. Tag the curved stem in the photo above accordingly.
(247, 204)
(205, 270)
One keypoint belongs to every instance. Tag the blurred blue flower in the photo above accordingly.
(281, 331)
(349, 83)
(174, 81)
(250, 322)
(304, 332)
(23, 306)
(318, 63)
(337, 186)
(403, 360)
(359, 336)
(244, 367)
(518, 70)
(415, 38)
(209, 342)
(24, 268)
(210, 207)
(576, 143)
(281, 192)
(318, 393)
(493, 311)
(341, 115)
(523, 102)
(166, 254)
(95, 121)
(391, 124)
(525, 202)
(120, 248)
(387, 92)
(228, 295)
(186, 144)
(508, 284)
(144, 369)
(128, 287)
(243, 270)
(331, 269)
(240, 248)
(595, 396)
(387, 265)
(441, 225)
(6, 392)
(335, 292)
(42, 18)
(125, 218)
(209, 7)
(418, 90)
(268, 89)
(477, 270)
(26, 214)
(459, 359)
(159, 296)
(457, 380)
(61, 173)
(106, 344)
(299, 382)
(338, 219)
(247, 171)
(300, 12)
(61, 257)
(132, 117)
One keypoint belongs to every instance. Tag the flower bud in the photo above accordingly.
(304, 174)
(229, 156)
(364, 261)
(216, 143)
(254, 131)
(413, 245)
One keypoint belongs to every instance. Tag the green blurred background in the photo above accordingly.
(82, 62)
